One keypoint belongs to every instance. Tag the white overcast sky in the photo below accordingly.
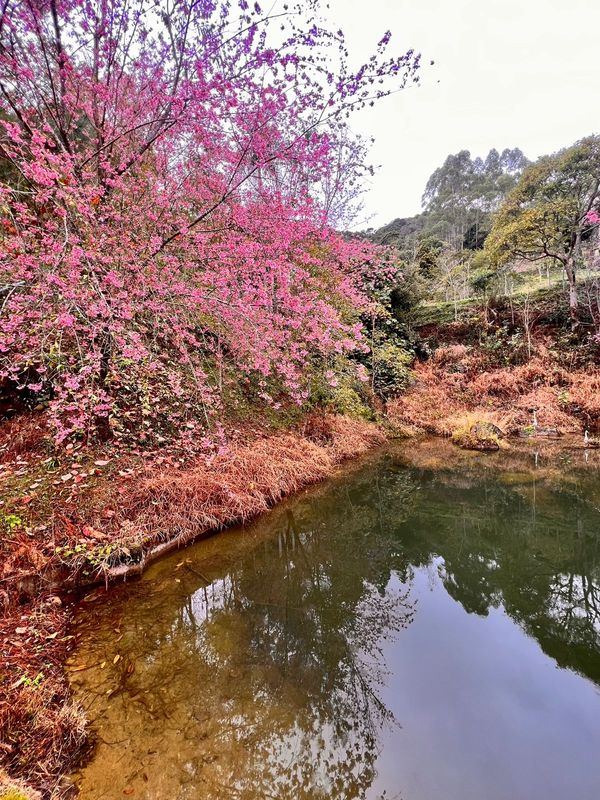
(508, 73)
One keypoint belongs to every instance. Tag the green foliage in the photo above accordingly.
(427, 256)
(544, 216)
(407, 295)
(483, 277)
(439, 246)
(478, 434)
(337, 386)
(346, 400)
(11, 522)
(505, 345)
(391, 369)
(461, 194)
(393, 345)
(401, 234)
(458, 200)
(96, 558)
(482, 281)
(31, 683)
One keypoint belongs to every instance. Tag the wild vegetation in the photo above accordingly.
(174, 297)
(501, 289)
(503, 226)
(171, 178)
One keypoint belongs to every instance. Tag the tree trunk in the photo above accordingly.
(573, 295)
(102, 422)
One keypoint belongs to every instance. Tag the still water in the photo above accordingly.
(426, 626)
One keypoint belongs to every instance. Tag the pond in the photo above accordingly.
(426, 626)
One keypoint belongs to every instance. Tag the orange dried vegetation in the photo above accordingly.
(246, 480)
(459, 380)
(24, 433)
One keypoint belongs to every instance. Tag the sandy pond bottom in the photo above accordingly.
(425, 627)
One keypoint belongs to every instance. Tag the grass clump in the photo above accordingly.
(478, 434)
(11, 790)
(348, 402)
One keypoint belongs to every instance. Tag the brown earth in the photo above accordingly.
(461, 385)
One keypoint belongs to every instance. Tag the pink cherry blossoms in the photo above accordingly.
(171, 177)
(593, 217)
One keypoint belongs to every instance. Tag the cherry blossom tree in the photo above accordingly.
(171, 172)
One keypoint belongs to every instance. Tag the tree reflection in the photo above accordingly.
(251, 665)
(526, 541)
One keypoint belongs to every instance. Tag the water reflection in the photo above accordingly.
(279, 661)
(524, 539)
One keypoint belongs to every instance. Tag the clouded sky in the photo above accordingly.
(508, 73)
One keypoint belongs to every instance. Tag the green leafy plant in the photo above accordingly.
(11, 522)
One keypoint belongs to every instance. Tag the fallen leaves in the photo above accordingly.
(92, 533)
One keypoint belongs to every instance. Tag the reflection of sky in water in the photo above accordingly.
(396, 634)
(484, 713)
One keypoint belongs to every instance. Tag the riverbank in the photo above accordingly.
(97, 517)
(304, 621)
(81, 515)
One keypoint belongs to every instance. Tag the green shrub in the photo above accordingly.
(347, 401)
(392, 374)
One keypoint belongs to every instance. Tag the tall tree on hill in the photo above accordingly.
(546, 215)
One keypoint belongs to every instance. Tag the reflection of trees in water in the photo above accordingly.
(262, 680)
(531, 547)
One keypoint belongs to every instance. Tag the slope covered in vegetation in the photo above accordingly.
(526, 378)
(187, 336)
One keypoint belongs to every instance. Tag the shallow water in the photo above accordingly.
(425, 627)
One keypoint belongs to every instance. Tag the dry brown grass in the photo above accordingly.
(15, 790)
(458, 380)
(25, 433)
(584, 394)
(41, 732)
(47, 730)
(429, 403)
(245, 481)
